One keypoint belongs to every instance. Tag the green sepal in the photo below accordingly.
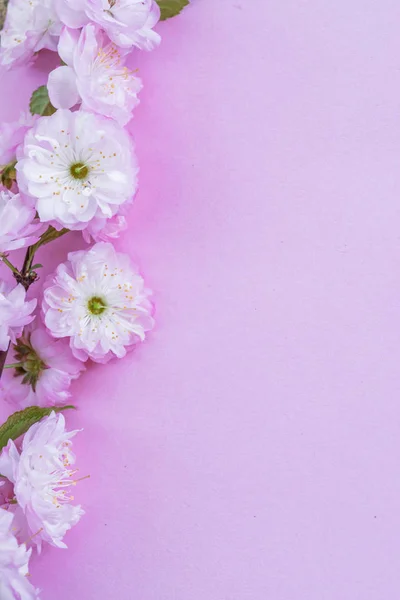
(8, 174)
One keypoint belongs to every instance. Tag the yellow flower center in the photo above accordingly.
(96, 305)
(79, 170)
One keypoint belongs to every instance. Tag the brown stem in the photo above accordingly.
(26, 279)
(3, 358)
(26, 276)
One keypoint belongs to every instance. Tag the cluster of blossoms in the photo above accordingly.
(70, 165)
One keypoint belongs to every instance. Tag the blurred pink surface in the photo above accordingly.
(249, 450)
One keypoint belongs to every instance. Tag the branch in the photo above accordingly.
(5, 260)
(27, 276)
(3, 358)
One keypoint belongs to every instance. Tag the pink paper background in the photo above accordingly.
(250, 449)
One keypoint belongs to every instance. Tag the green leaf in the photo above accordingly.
(19, 423)
(40, 103)
(171, 8)
(38, 266)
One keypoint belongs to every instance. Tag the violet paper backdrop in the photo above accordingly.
(249, 450)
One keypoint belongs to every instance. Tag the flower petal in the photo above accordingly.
(68, 40)
(62, 88)
(9, 459)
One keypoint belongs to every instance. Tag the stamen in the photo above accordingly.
(75, 481)
(32, 536)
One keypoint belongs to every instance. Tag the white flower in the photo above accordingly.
(30, 26)
(45, 371)
(15, 313)
(78, 166)
(95, 73)
(17, 222)
(14, 559)
(98, 299)
(42, 479)
(127, 22)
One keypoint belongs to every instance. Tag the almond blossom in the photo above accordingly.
(15, 313)
(127, 22)
(30, 26)
(14, 559)
(77, 166)
(99, 300)
(18, 226)
(42, 478)
(95, 74)
(43, 372)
